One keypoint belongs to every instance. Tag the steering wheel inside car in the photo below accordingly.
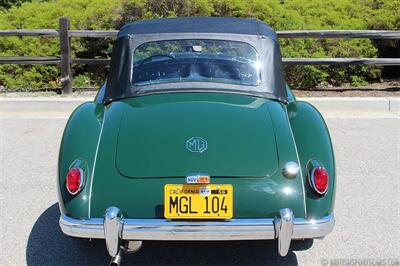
(150, 58)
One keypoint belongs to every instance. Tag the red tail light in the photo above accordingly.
(319, 180)
(74, 180)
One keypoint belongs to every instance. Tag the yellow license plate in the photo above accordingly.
(198, 201)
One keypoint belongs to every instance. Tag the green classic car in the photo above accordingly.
(196, 136)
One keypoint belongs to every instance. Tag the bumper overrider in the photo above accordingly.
(114, 228)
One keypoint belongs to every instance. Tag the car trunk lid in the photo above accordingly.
(173, 136)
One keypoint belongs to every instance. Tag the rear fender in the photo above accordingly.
(79, 144)
(313, 142)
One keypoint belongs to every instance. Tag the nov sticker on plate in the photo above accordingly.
(198, 179)
(204, 191)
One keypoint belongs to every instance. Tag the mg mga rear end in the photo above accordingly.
(196, 136)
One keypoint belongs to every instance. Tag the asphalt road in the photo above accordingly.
(367, 208)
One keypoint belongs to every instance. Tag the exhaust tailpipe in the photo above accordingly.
(115, 261)
(127, 247)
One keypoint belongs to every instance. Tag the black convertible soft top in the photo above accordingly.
(256, 33)
(199, 25)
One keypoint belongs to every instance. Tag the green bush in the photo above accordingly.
(280, 14)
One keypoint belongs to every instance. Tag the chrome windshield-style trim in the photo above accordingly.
(298, 160)
(94, 162)
(163, 229)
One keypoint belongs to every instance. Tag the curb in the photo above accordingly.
(41, 104)
(394, 105)
(353, 105)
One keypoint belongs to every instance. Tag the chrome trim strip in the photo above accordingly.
(94, 162)
(298, 161)
(163, 229)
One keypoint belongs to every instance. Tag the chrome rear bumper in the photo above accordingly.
(283, 228)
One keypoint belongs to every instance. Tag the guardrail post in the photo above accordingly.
(65, 64)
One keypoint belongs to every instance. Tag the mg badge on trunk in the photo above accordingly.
(196, 144)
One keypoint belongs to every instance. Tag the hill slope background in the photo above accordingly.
(280, 14)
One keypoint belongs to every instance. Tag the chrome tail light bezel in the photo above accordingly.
(312, 181)
(82, 166)
(81, 181)
(312, 166)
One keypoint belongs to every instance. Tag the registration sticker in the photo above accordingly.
(198, 179)
(205, 191)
